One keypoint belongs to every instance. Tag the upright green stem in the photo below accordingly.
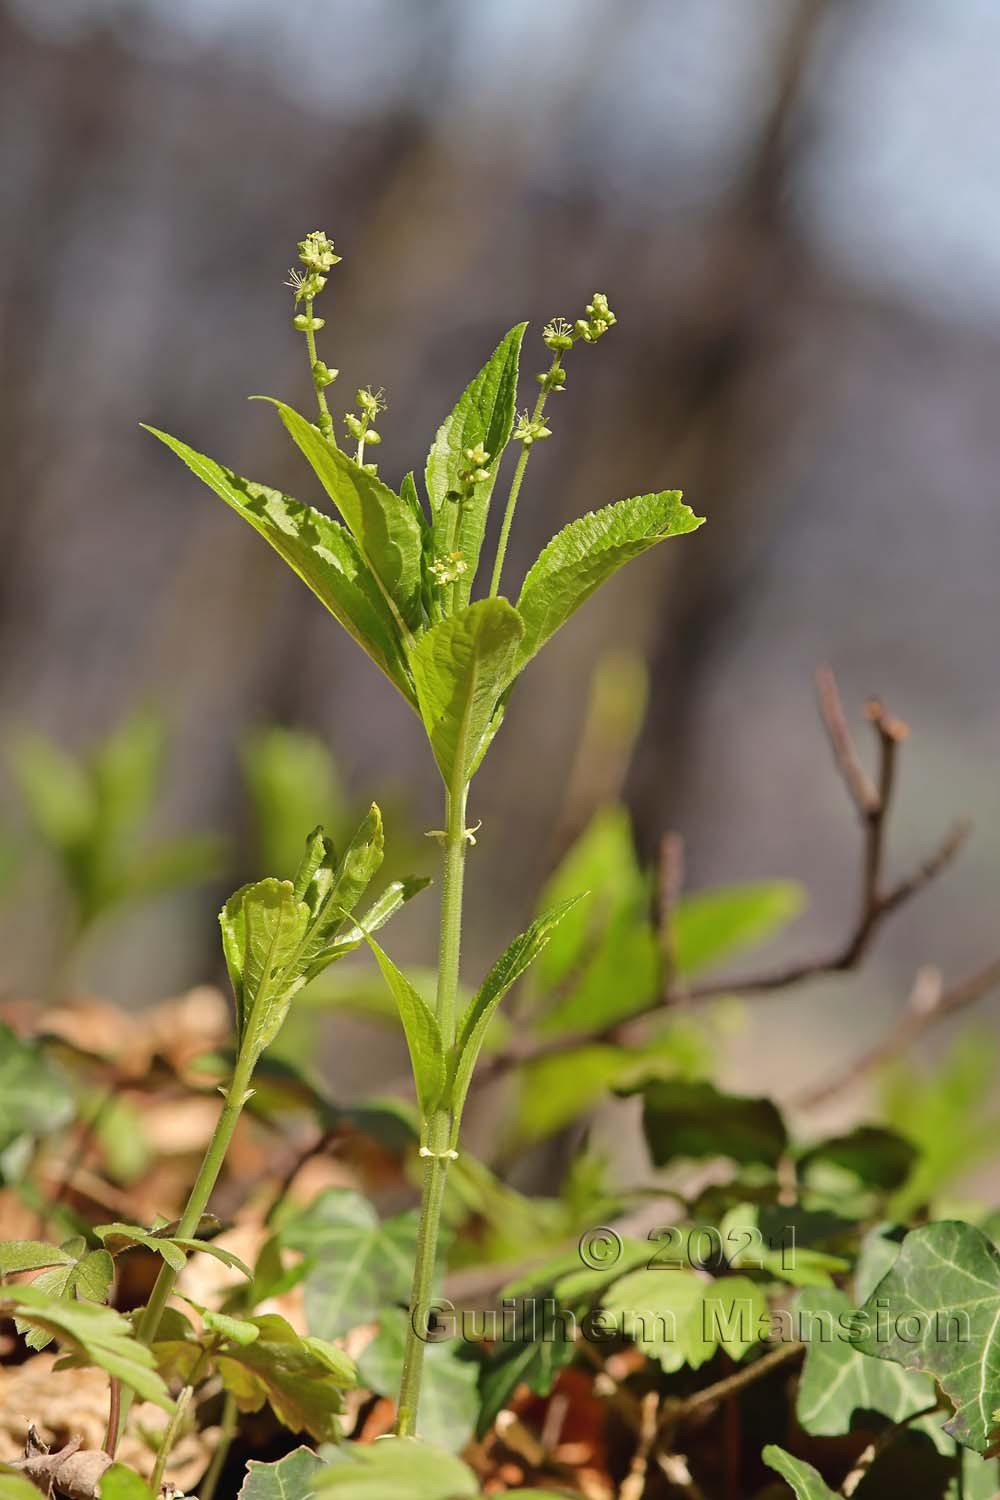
(227, 1431)
(515, 486)
(439, 1127)
(236, 1097)
(325, 423)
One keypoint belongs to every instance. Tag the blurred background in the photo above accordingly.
(794, 208)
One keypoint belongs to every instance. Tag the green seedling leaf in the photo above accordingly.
(449, 1395)
(95, 1335)
(356, 1266)
(800, 1476)
(291, 1478)
(86, 1275)
(423, 1035)
(383, 526)
(712, 925)
(118, 1237)
(31, 1255)
(587, 552)
(402, 1468)
(323, 554)
(680, 1319)
(838, 1381)
(301, 1379)
(692, 1119)
(484, 413)
(121, 1483)
(217, 1252)
(460, 668)
(937, 1311)
(507, 970)
(263, 930)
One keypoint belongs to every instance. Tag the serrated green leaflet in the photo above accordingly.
(323, 554)
(355, 1264)
(837, 1381)
(507, 970)
(423, 1035)
(803, 1478)
(383, 525)
(87, 1276)
(587, 552)
(291, 1478)
(449, 1403)
(401, 1468)
(263, 928)
(31, 1255)
(937, 1311)
(460, 668)
(301, 1379)
(96, 1335)
(484, 413)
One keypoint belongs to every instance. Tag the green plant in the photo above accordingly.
(399, 578)
(91, 814)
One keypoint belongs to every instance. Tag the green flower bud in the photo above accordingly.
(323, 375)
(371, 436)
(354, 425)
(304, 321)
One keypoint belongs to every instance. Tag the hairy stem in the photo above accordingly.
(515, 487)
(169, 1438)
(439, 1126)
(236, 1097)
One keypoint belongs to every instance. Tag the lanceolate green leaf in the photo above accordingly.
(587, 552)
(484, 413)
(334, 889)
(263, 927)
(460, 667)
(803, 1478)
(382, 524)
(937, 1311)
(323, 554)
(508, 968)
(423, 1036)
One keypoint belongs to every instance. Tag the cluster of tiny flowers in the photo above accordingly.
(598, 320)
(317, 255)
(369, 404)
(477, 459)
(560, 336)
(448, 568)
(530, 430)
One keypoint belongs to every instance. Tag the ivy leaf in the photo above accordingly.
(355, 1264)
(95, 1335)
(86, 1275)
(449, 1395)
(291, 1478)
(680, 1319)
(423, 1035)
(484, 413)
(301, 1379)
(802, 1477)
(711, 925)
(507, 970)
(686, 1119)
(383, 526)
(838, 1381)
(587, 552)
(323, 554)
(396, 1467)
(460, 667)
(937, 1311)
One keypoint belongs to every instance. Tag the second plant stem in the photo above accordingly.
(515, 485)
(439, 1126)
(236, 1097)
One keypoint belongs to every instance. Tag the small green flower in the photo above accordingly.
(448, 568)
(598, 320)
(477, 459)
(316, 252)
(557, 335)
(530, 430)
